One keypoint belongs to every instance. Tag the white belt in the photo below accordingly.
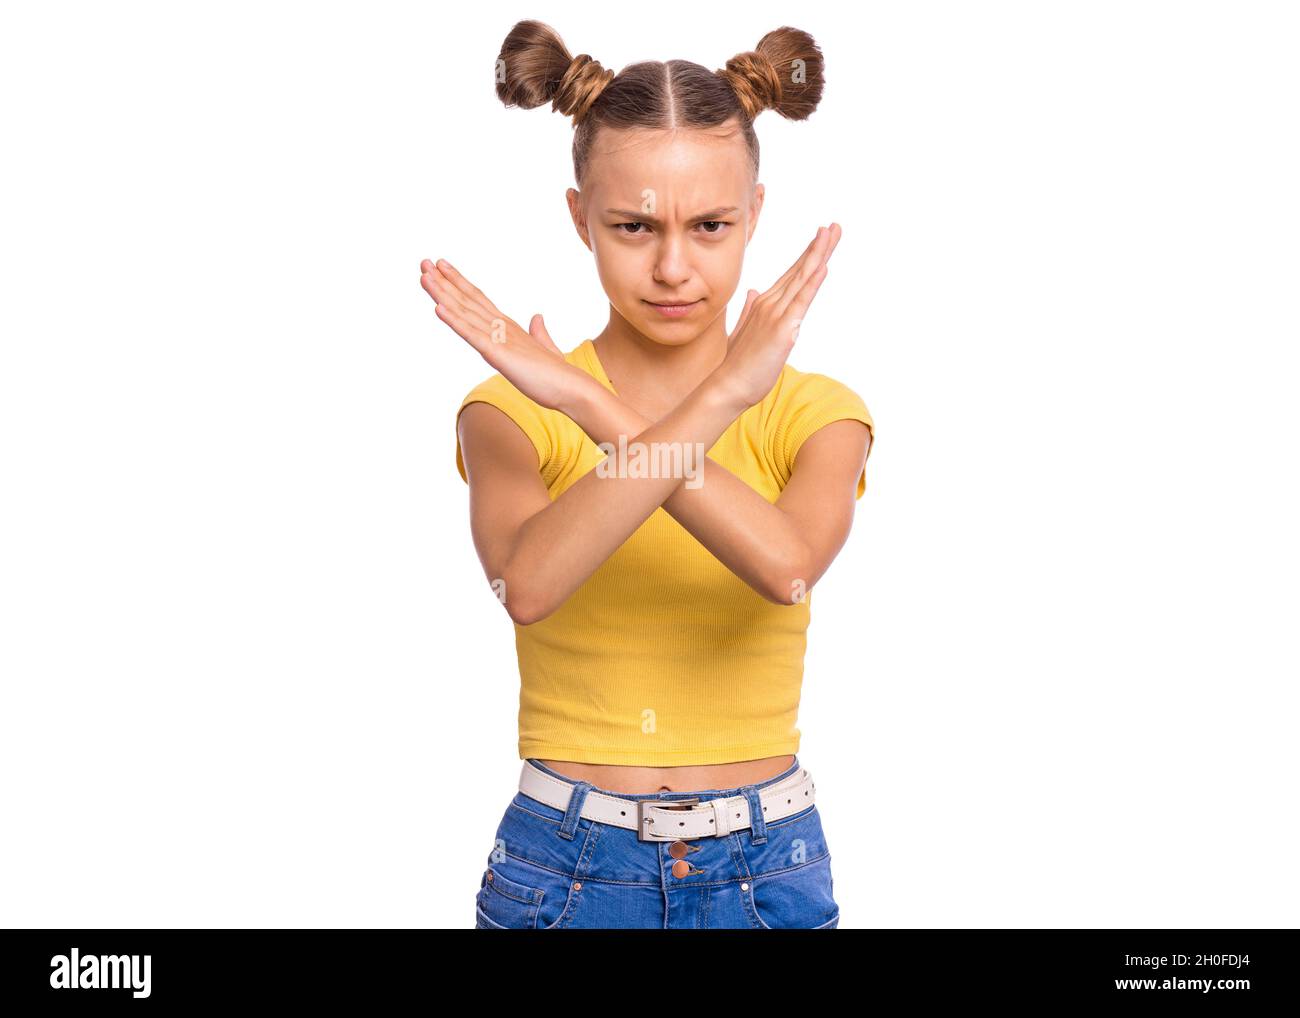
(666, 819)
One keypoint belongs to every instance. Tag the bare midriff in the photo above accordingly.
(642, 780)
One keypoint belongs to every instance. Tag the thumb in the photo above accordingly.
(537, 329)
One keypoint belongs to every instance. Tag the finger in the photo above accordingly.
(468, 332)
(799, 303)
(817, 255)
(449, 289)
(836, 234)
(801, 265)
(537, 329)
(471, 293)
(789, 273)
(816, 259)
(490, 323)
(486, 341)
(469, 299)
(435, 286)
(442, 291)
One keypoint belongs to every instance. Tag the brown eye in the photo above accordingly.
(714, 222)
(619, 226)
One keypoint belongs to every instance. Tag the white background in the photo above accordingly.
(253, 674)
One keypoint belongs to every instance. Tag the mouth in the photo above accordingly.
(673, 307)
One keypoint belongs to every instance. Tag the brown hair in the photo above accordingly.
(783, 72)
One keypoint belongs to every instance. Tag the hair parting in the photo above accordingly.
(784, 72)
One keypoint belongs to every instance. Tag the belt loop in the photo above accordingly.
(721, 817)
(576, 800)
(757, 825)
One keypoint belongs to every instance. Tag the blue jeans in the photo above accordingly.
(552, 870)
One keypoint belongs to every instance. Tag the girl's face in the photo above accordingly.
(668, 216)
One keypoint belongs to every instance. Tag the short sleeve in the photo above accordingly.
(813, 402)
(531, 418)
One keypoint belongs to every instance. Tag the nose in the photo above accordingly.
(671, 266)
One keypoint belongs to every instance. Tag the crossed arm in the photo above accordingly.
(544, 550)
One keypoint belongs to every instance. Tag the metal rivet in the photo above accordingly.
(744, 887)
(489, 874)
(577, 885)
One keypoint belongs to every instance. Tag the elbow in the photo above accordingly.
(527, 612)
(790, 581)
(522, 604)
(793, 590)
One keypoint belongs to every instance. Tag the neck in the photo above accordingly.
(654, 374)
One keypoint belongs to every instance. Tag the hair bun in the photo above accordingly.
(534, 67)
(581, 87)
(783, 73)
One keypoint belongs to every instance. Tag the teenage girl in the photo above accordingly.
(660, 597)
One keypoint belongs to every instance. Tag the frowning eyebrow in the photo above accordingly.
(702, 217)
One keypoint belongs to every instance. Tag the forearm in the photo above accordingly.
(753, 538)
(558, 548)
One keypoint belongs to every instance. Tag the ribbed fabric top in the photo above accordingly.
(664, 657)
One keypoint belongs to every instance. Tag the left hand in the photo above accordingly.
(530, 360)
(765, 332)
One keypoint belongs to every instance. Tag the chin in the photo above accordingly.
(668, 331)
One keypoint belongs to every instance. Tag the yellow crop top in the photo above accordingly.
(664, 657)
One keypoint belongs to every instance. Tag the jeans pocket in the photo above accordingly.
(531, 878)
(507, 904)
(800, 898)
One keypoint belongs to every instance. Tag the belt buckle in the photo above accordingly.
(642, 821)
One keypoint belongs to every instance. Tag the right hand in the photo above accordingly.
(529, 360)
(765, 332)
